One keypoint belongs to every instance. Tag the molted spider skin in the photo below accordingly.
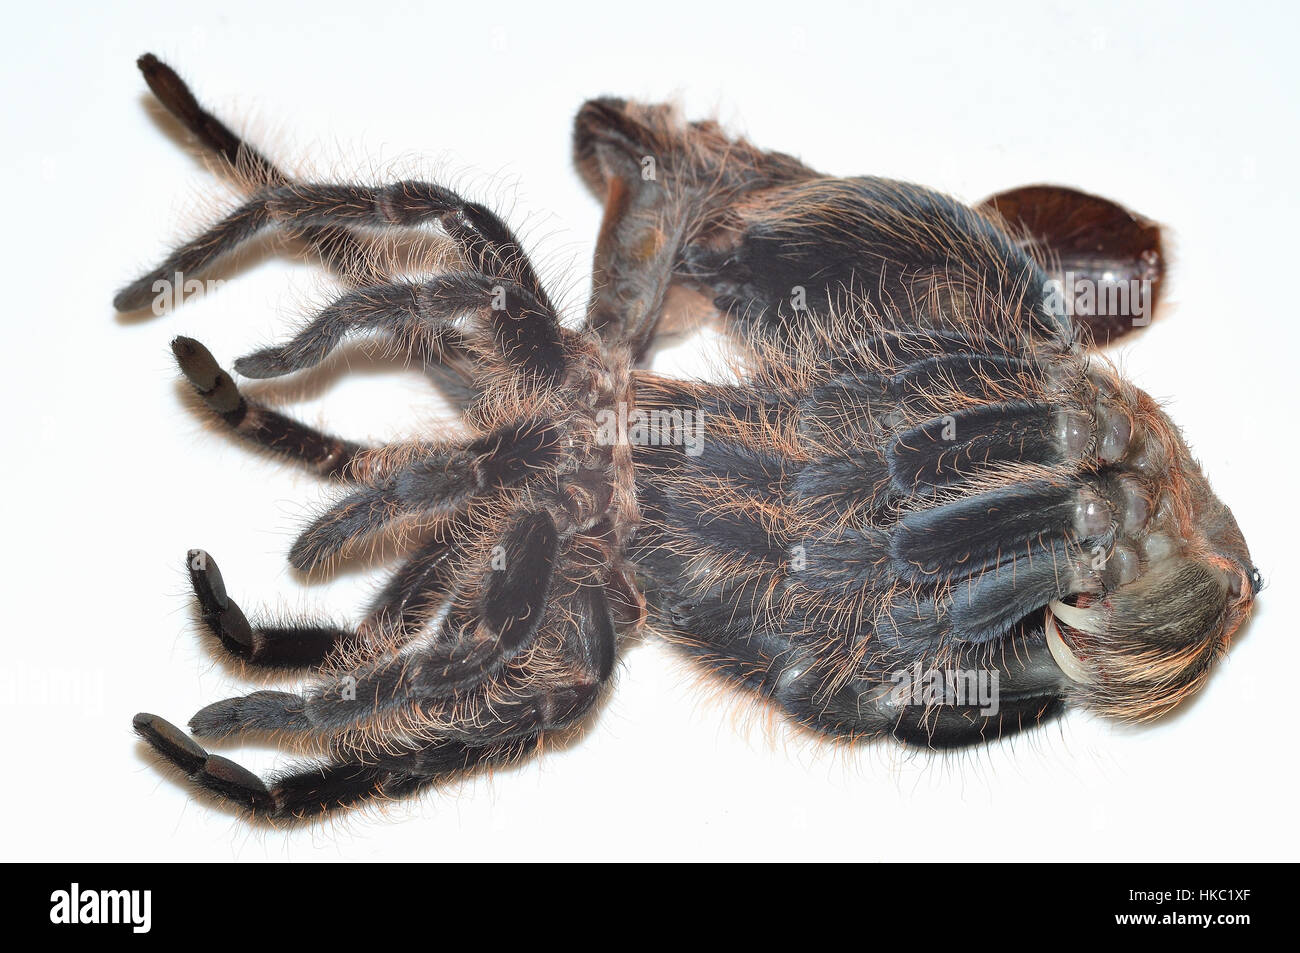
(920, 468)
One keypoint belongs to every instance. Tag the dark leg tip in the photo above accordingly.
(222, 616)
(268, 362)
(306, 554)
(165, 84)
(213, 384)
(218, 719)
(170, 742)
(258, 711)
(205, 578)
(212, 772)
(132, 298)
(196, 363)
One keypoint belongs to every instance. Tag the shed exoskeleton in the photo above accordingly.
(921, 471)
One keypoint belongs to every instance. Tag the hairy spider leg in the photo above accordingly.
(342, 250)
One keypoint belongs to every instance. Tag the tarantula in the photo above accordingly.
(919, 467)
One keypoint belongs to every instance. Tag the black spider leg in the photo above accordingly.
(1009, 686)
(474, 641)
(481, 713)
(263, 644)
(306, 792)
(504, 727)
(441, 481)
(484, 239)
(297, 642)
(963, 591)
(399, 611)
(723, 624)
(524, 333)
(312, 789)
(418, 587)
(325, 453)
(342, 250)
(455, 680)
(524, 328)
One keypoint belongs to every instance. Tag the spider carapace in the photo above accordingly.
(920, 481)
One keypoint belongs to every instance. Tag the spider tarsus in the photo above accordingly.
(256, 711)
(134, 296)
(214, 385)
(155, 71)
(205, 577)
(214, 773)
(196, 362)
(170, 742)
(268, 362)
(292, 644)
(170, 89)
(164, 83)
(314, 547)
(220, 614)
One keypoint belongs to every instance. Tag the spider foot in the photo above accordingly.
(289, 644)
(214, 385)
(222, 616)
(213, 773)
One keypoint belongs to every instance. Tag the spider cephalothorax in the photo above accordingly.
(919, 469)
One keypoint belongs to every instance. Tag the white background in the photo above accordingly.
(1182, 112)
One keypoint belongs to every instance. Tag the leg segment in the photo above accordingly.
(271, 646)
(523, 329)
(483, 237)
(399, 612)
(441, 482)
(342, 250)
(310, 790)
(920, 693)
(416, 590)
(322, 452)
(495, 621)
(939, 570)
(661, 181)
(549, 685)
